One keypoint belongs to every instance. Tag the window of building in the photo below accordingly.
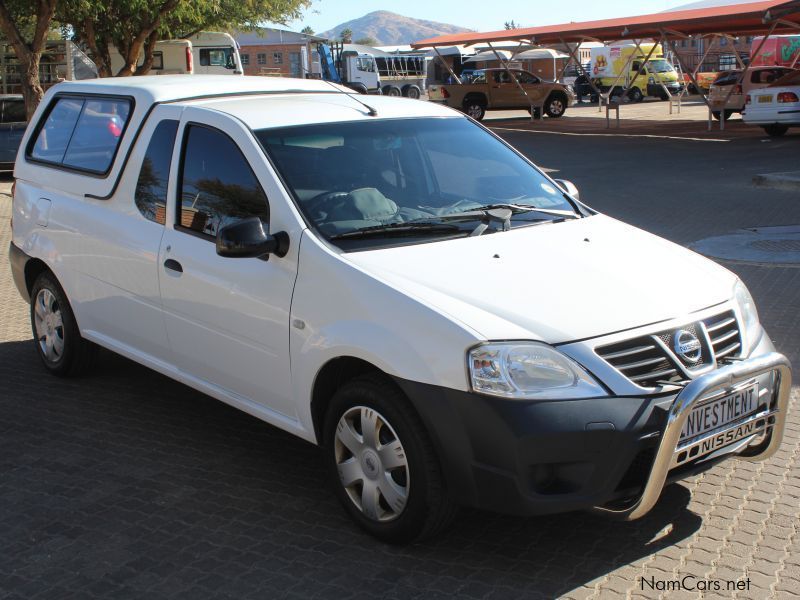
(694, 43)
(749, 39)
(218, 186)
(683, 43)
(151, 187)
(261, 58)
(277, 58)
(81, 133)
(723, 41)
(245, 59)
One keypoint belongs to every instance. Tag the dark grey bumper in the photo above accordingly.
(18, 260)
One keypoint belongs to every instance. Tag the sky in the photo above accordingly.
(482, 15)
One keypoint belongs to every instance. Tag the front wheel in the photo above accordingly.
(635, 95)
(555, 106)
(58, 340)
(382, 463)
(775, 130)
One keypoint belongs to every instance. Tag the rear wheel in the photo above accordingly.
(392, 90)
(55, 332)
(726, 114)
(475, 108)
(775, 130)
(555, 106)
(412, 91)
(382, 463)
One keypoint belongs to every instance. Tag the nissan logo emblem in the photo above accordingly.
(687, 346)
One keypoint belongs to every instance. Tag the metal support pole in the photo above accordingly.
(446, 66)
(696, 70)
(624, 71)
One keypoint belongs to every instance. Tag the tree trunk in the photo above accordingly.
(98, 49)
(32, 90)
(149, 53)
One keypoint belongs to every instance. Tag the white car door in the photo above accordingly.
(228, 318)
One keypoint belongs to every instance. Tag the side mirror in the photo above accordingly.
(569, 188)
(248, 239)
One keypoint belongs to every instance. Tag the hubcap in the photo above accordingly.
(556, 107)
(474, 111)
(49, 325)
(372, 464)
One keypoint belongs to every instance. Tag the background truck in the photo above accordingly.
(208, 53)
(368, 73)
(61, 61)
(778, 50)
(608, 69)
(495, 89)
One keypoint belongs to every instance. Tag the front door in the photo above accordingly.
(227, 319)
(506, 93)
(295, 65)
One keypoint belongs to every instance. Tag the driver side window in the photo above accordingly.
(217, 185)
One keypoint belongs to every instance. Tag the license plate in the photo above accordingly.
(718, 413)
(764, 99)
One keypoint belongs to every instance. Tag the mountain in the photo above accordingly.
(391, 29)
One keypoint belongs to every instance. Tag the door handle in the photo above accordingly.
(173, 265)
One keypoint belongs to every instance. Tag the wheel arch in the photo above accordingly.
(33, 268)
(332, 376)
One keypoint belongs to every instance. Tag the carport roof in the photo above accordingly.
(750, 18)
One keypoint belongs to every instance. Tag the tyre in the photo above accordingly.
(56, 335)
(475, 108)
(635, 95)
(555, 106)
(392, 90)
(775, 130)
(359, 87)
(725, 114)
(412, 91)
(382, 464)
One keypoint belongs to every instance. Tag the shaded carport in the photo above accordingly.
(753, 18)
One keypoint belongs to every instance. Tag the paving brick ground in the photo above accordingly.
(128, 485)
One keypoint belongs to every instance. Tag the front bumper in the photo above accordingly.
(613, 455)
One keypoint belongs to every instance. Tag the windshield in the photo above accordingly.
(659, 65)
(384, 174)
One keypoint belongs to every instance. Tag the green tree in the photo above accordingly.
(367, 41)
(307, 30)
(134, 26)
(26, 24)
(346, 35)
(511, 24)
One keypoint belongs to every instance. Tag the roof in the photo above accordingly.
(748, 18)
(169, 88)
(266, 112)
(269, 36)
(290, 101)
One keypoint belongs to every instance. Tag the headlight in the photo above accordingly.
(529, 370)
(751, 327)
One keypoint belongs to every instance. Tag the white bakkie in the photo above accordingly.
(390, 280)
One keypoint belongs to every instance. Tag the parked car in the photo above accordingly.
(13, 121)
(490, 89)
(776, 107)
(757, 77)
(393, 282)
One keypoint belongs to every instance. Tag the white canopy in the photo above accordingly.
(487, 55)
(539, 53)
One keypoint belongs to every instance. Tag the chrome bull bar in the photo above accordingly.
(698, 390)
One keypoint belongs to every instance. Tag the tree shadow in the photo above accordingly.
(129, 480)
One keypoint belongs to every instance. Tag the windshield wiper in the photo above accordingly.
(405, 228)
(520, 208)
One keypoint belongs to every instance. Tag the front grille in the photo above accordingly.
(723, 330)
(641, 360)
(648, 363)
